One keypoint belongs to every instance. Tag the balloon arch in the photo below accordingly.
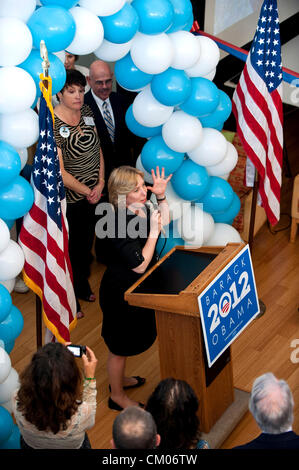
(177, 108)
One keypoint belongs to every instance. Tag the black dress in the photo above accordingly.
(127, 330)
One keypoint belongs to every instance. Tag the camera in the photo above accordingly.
(77, 349)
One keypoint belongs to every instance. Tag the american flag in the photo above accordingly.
(257, 106)
(44, 237)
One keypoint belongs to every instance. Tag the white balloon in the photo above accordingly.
(4, 236)
(182, 132)
(60, 55)
(89, 32)
(9, 284)
(8, 406)
(23, 156)
(177, 205)
(20, 90)
(111, 52)
(210, 75)
(152, 54)
(223, 234)
(195, 226)
(15, 41)
(227, 164)
(212, 148)
(103, 7)
(148, 111)
(208, 59)
(14, 8)
(9, 386)
(11, 261)
(186, 49)
(5, 365)
(147, 176)
(19, 129)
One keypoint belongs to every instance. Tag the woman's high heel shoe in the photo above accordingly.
(114, 406)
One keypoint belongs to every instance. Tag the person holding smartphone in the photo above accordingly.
(129, 330)
(51, 407)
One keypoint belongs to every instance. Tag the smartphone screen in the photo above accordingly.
(76, 350)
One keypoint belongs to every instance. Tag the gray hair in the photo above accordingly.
(271, 404)
(134, 428)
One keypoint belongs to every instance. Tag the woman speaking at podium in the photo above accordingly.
(129, 330)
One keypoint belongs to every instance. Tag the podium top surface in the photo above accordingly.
(175, 273)
(174, 283)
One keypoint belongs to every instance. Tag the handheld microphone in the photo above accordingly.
(151, 207)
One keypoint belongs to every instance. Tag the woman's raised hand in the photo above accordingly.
(89, 363)
(159, 182)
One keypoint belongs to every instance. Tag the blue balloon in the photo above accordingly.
(155, 16)
(63, 3)
(139, 129)
(9, 345)
(171, 87)
(13, 442)
(190, 181)
(9, 223)
(211, 121)
(10, 163)
(165, 244)
(16, 199)
(6, 425)
(224, 107)
(217, 118)
(218, 197)
(129, 76)
(33, 65)
(203, 99)
(227, 216)
(189, 24)
(5, 302)
(182, 13)
(156, 153)
(53, 24)
(122, 26)
(12, 326)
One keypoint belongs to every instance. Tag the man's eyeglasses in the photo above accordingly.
(104, 82)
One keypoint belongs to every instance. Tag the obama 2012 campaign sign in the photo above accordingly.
(228, 305)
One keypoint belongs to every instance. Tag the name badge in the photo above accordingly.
(89, 121)
(64, 132)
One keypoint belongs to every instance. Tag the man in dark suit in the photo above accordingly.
(119, 145)
(271, 404)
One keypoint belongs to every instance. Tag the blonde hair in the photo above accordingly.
(121, 182)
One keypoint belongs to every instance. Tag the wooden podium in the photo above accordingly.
(171, 288)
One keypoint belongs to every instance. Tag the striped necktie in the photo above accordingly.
(108, 120)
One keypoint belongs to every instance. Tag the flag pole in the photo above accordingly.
(253, 210)
(251, 228)
(38, 302)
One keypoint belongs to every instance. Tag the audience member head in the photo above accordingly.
(69, 61)
(100, 79)
(173, 405)
(50, 388)
(122, 181)
(72, 93)
(73, 77)
(134, 428)
(271, 404)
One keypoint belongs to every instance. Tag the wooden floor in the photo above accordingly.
(264, 346)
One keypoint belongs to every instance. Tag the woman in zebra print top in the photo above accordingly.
(82, 169)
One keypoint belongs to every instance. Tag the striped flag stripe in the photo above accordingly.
(257, 106)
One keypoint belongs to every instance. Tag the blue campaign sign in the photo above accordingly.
(228, 305)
